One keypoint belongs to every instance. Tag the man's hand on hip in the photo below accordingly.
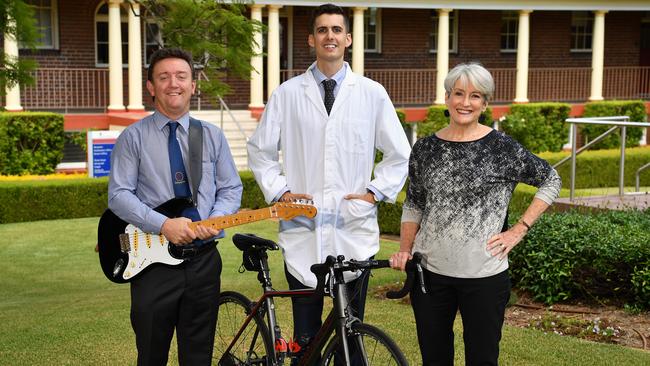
(368, 197)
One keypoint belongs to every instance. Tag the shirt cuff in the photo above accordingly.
(378, 195)
(283, 191)
(410, 215)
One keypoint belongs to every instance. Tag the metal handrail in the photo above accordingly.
(222, 105)
(619, 122)
(637, 178)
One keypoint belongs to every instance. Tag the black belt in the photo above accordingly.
(191, 250)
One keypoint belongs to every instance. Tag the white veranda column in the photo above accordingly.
(116, 97)
(135, 59)
(257, 63)
(11, 51)
(273, 50)
(442, 54)
(523, 47)
(598, 55)
(358, 40)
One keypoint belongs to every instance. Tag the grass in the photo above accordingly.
(56, 308)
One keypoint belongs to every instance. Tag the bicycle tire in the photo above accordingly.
(380, 349)
(254, 345)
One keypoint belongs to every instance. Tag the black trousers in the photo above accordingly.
(182, 297)
(482, 303)
(307, 312)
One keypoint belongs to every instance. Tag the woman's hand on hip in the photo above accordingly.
(501, 244)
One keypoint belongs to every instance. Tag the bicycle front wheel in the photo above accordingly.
(253, 347)
(368, 345)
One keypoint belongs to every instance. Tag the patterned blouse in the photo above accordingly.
(459, 194)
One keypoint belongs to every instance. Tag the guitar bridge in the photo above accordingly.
(124, 243)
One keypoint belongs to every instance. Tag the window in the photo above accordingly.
(45, 12)
(153, 40)
(509, 29)
(453, 31)
(582, 25)
(372, 30)
(101, 35)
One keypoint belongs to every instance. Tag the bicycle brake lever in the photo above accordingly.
(330, 284)
(421, 278)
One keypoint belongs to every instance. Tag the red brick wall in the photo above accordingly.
(405, 42)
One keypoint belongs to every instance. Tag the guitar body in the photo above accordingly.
(126, 251)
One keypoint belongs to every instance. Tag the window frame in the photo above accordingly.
(453, 31)
(583, 19)
(54, 23)
(366, 23)
(124, 19)
(145, 31)
(508, 17)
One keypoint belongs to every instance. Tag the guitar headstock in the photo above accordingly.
(289, 210)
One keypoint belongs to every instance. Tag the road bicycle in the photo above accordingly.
(248, 332)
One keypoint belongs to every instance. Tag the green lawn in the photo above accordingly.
(56, 308)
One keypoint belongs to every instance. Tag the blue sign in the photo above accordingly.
(100, 146)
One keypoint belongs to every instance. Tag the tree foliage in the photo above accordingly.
(218, 34)
(17, 18)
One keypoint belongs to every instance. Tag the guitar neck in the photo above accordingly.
(237, 219)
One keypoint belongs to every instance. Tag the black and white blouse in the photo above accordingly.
(459, 194)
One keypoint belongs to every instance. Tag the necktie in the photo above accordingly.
(179, 175)
(329, 86)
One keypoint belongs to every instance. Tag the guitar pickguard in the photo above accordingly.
(145, 249)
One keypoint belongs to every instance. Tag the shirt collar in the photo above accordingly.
(161, 120)
(338, 77)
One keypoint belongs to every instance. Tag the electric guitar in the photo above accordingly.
(125, 250)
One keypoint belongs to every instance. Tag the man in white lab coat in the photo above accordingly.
(328, 156)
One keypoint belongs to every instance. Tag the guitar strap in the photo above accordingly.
(196, 157)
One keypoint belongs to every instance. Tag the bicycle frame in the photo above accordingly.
(265, 307)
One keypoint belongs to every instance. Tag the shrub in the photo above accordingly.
(537, 126)
(32, 142)
(635, 109)
(602, 256)
(436, 120)
(52, 199)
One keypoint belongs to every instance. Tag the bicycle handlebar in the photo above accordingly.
(332, 265)
(413, 267)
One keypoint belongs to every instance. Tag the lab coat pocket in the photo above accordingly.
(359, 216)
(354, 135)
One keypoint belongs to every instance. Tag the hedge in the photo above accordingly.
(30, 142)
(537, 126)
(595, 256)
(49, 200)
(635, 109)
(599, 168)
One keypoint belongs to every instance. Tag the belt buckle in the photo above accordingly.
(188, 252)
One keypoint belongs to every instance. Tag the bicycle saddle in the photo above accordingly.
(246, 242)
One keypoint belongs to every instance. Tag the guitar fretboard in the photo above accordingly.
(239, 218)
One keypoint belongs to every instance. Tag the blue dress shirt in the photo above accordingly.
(140, 173)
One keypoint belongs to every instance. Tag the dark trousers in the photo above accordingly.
(182, 297)
(482, 303)
(307, 312)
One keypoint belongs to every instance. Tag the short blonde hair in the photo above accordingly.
(472, 73)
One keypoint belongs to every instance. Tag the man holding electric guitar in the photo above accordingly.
(167, 171)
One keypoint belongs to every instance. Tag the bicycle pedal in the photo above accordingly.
(281, 345)
(294, 347)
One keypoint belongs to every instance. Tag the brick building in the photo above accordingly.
(94, 51)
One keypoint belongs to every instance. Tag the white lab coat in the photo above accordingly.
(329, 157)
